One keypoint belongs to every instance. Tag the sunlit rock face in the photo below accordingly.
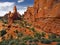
(47, 8)
(29, 15)
(45, 14)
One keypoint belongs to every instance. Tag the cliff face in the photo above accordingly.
(44, 8)
(45, 15)
(47, 8)
(29, 15)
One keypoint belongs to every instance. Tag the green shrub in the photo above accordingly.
(20, 34)
(22, 44)
(13, 42)
(32, 29)
(3, 32)
(36, 40)
(27, 38)
(56, 40)
(4, 42)
(30, 41)
(33, 44)
(5, 21)
(45, 41)
(16, 31)
(37, 35)
(52, 36)
(43, 34)
(58, 44)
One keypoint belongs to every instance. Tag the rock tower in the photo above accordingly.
(13, 16)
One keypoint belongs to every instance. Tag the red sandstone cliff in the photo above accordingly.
(45, 14)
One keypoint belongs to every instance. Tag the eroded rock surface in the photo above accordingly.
(45, 14)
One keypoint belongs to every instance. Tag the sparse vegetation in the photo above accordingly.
(52, 36)
(3, 32)
(22, 39)
(58, 44)
(45, 41)
(56, 40)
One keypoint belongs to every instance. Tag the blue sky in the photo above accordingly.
(7, 5)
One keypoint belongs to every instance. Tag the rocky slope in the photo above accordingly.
(40, 26)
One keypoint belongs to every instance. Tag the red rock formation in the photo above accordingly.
(45, 15)
(46, 8)
(29, 15)
(13, 16)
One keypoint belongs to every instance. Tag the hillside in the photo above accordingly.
(40, 25)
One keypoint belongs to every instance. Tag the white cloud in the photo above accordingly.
(5, 4)
(21, 9)
(5, 7)
(2, 13)
(20, 1)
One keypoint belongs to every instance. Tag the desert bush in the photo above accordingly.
(56, 40)
(52, 36)
(33, 44)
(3, 32)
(58, 44)
(36, 40)
(45, 41)
(16, 31)
(5, 21)
(32, 29)
(20, 34)
(43, 34)
(27, 38)
(4, 42)
(22, 44)
(37, 35)
(30, 41)
(13, 42)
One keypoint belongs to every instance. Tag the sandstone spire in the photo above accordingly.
(13, 16)
(14, 9)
